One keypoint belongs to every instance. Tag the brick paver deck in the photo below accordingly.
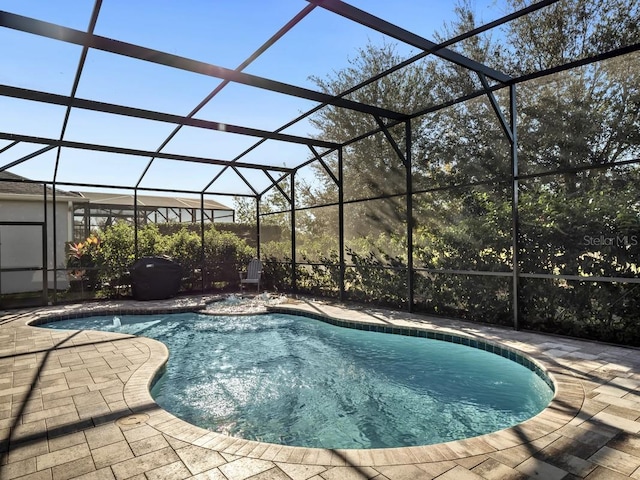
(77, 405)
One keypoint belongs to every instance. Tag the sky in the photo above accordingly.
(223, 33)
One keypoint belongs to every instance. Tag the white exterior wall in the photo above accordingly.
(21, 246)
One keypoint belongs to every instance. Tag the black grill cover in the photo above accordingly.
(155, 278)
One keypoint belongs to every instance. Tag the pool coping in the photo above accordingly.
(557, 357)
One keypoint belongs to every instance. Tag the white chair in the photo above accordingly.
(252, 274)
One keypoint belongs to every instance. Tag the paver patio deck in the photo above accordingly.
(77, 405)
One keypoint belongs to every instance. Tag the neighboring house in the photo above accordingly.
(25, 227)
(25, 230)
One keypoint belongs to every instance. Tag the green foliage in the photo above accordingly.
(568, 31)
(604, 311)
(245, 210)
(579, 215)
(117, 253)
(225, 255)
(570, 125)
(185, 248)
(320, 275)
(592, 232)
(277, 250)
(371, 166)
(111, 253)
(150, 241)
(481, 299)
(277, 273)
(381, 280)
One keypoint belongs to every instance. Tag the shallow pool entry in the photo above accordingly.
(297, 381)
(244, 305)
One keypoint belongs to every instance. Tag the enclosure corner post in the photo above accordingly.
(258, 197)
(203, 262)
(514, 208)
(294, 281)
(45, 260)
(135, 223)
(409, 186)
(341, 224)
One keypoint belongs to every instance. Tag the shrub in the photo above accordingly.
(225, 256)
(185, 248)
(117, 253)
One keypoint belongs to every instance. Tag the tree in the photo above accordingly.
(569, 31)
(245, 210)
(570, 125)
(371, 166)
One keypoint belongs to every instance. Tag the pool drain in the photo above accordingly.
(137, 419)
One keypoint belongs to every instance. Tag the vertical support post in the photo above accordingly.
(514, 206)
(258, 197)
(341, 222)
(45, 268)
(202, 249)
(45, 261)
(294, 282)
(86, 212)
(135, 222)
(0, 267)
(409, 206)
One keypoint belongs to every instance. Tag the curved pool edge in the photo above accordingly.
(567, 401)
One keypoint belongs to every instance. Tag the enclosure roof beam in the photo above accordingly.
(12, 144)
(76, 81)
(363, 18)
(255, 55)
(235, 169)
(26, 157)
(276, 183)
(77, 37)
(471, 33)
(515, 81)
(56, 99)
(317, 156)
(135, 152)
(392, 141)
(506, 127)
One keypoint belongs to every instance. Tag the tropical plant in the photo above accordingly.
(82, 258)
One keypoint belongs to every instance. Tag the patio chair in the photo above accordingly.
(252, 274)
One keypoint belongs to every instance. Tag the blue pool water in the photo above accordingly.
(297, 381)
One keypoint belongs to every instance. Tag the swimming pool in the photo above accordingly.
(296, 381)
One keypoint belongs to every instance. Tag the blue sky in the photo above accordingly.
(224, 33)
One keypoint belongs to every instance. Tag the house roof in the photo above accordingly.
(10, 183)
(150, 201)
